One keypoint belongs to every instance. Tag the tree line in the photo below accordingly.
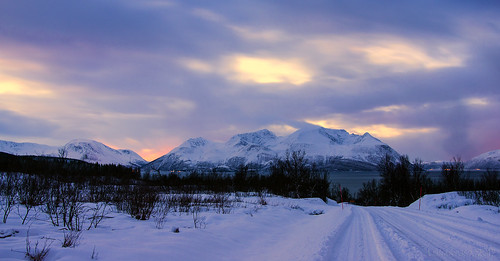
(404, 182)
(291, 176)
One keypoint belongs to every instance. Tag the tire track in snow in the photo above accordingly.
(418, 240)
(358, 239)
(483, 235)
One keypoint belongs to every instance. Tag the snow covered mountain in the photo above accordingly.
(334, 149)
(87, 150)
(488, 160)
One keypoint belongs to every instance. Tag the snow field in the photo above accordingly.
(447, 227)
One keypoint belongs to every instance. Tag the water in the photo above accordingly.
(353, 180)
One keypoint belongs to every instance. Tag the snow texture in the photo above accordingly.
(81, 149)
(488, 160)
(321, 145)
(284, 229)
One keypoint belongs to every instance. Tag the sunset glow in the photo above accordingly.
(148, 75)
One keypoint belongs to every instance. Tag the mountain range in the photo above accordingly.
(86, 150)
(488, 160)
(328, 148)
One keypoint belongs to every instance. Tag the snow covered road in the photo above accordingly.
(449, 227)
(404, 234)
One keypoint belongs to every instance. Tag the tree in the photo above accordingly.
(395, 185)
(8, 193)
(419, 179)
(368, 195)
(452, 173)
(63, 152)
(240, 178)
(292, 176)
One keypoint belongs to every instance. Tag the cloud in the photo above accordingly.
(281, 129)
(377, 130)
(266, 35)
(265, 70)
(476, 101)
(196, 65)
(403, 56)
(151, 74)
(16, 125)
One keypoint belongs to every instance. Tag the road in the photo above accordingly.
(389, 233)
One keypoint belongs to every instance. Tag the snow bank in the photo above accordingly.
(451, 203)
(281, 229)
(448, 201)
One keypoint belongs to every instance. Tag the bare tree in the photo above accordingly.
(452, 173)
(8, 193)
(63, 152)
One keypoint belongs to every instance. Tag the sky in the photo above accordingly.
(422, 76)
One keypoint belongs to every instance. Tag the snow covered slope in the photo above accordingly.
(488, 160)
(329, 148)
(26, 148)
(283, 229)
(87, 150)
(93, 151)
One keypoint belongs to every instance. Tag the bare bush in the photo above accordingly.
(63, 205)
(181, 202)
(97, 214)
(141, 202)
(30, 193)
(71, 238)
(161, 211)
(221, 203)
(199, 222)
(8, 193)
(72, 211)
(95, 254)
(262, 198)
(37, 252)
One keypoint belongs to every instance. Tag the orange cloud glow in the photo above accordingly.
(267, 70)
(377, 130)
(404, 56)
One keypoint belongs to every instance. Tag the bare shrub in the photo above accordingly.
(199, 222)
(141, 202)
(262, 198)
(8, 193)
(221, 203)
(63, 205)
(36, 252)
(97, 214)
(95, 254)
(161, 211)
(30, 193)
(52, 206)
(71, 238)
(181, 202)
(72, 210)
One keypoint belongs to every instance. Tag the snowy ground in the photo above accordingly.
(447, 227)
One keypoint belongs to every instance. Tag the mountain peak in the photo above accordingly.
(81, 149)
(195, 142)
(487, 160)
(326, 147)
(260, 137)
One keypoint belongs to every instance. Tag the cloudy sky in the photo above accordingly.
(422, 76)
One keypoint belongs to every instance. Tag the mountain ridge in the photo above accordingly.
(81, 149)
(324, 147)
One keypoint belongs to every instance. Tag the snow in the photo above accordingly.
(262, 146)
(488, 160)
(81, 149)
(448, 227)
